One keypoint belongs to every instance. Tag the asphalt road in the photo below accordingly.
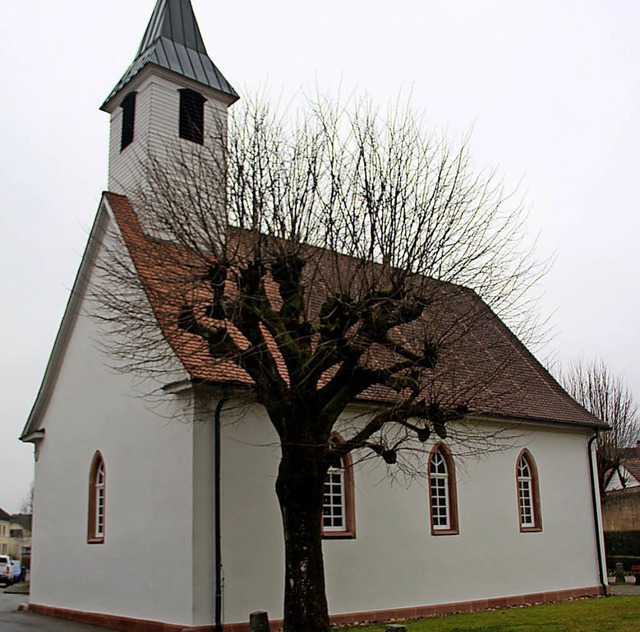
(13, 621)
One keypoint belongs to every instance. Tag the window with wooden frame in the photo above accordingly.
(529, 512)
(443, 500)
(338, 509)
(191, 125)
(97, 500)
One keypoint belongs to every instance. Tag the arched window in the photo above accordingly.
(97, 500)
(528, 493)
(338, 509)
(442, 492)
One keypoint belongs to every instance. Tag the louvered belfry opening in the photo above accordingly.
(128, 106)
(192, 115)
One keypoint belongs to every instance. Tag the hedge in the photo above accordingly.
(622, 543)
(622, 546)
(627, 562)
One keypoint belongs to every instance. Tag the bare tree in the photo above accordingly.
(27, 504)
(609, 399)
(337, 260)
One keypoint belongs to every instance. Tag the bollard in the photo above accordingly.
(620, 574)
(395, 627)
(259, 622)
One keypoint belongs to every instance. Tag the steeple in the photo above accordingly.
(173, 41)
(171, 100)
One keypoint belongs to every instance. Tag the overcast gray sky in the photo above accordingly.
(551, 89)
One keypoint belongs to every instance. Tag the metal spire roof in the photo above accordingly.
(173, 41)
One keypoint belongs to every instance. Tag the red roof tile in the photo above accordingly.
(485, 366)
(632, 465)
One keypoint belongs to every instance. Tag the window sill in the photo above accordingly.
(95, 540)
(445, 532)
(338, 535)
(530, 529)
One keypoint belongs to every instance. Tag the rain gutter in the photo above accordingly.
(219, 627)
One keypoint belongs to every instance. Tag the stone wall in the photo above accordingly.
(621, 510)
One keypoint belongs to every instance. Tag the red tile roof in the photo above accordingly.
(24, 520)
(487, 368)
(632, 465)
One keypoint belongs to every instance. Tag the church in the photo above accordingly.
(144, 523)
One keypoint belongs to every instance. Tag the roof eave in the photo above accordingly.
(33, 437)
(66, 326)
(569, 423)
(501, 417)
(112, 101)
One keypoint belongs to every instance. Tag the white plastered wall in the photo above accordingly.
(252, 541)
(394, 561)
(144, 568)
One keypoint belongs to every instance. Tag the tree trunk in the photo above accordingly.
(300, 488)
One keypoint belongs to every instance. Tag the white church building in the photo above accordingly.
(142, 523)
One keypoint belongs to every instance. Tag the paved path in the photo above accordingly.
(11, 620)
(624, 589)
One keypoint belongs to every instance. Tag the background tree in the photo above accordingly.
(324, 262)
(609, 399)
(27, 504)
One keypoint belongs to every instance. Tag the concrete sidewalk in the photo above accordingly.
(21, 588)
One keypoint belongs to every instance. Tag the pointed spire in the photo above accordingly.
(175, 20)
(173, 41)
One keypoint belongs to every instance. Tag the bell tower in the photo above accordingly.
(172, 98)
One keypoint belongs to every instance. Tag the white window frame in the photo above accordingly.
(528, 493)
(100, 500)
(334, 507)
(96, 516)
(443, 497)
(525, 494)
(440, 500)
(338, 507)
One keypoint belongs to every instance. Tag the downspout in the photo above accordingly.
(596, 514)
(217, 521)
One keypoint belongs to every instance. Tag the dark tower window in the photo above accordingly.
(192, 116)
(128, 106)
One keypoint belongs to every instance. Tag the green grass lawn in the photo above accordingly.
(621, 614)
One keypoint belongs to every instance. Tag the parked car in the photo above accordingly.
(16, 566)
(6, 570)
